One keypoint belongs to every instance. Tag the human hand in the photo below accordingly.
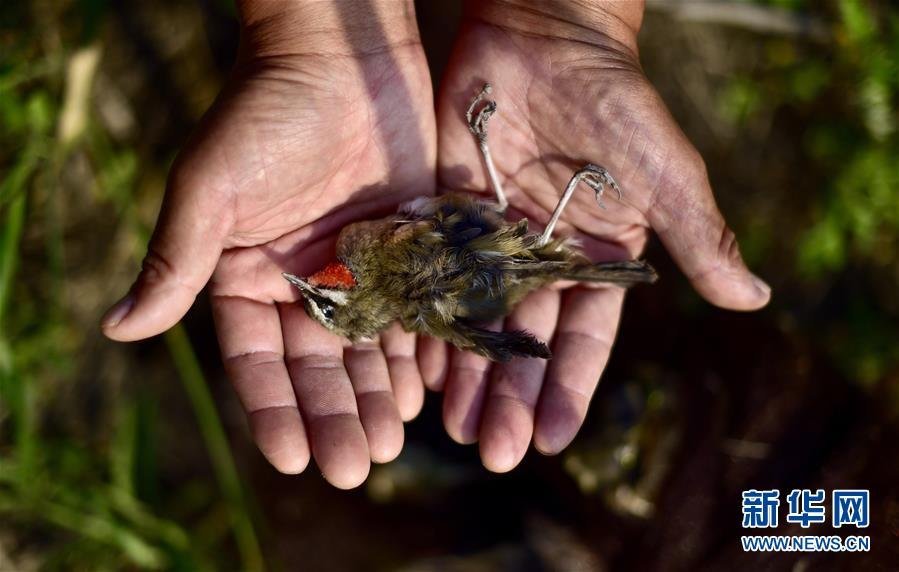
(570, 91)
(328, 118)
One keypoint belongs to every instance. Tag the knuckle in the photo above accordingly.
(689, 173)
(725, 258)
(516, 402)
(729, 248)
(695, 164)
(680, 187)
(156, 267)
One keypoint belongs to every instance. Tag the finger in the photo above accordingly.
(326, 399)
(433, 361)
(367, 367)
(249, 334)
(587, 326)
(463, 401)
(691, 227)
(182, 254)
(408, 388)
(508, 419)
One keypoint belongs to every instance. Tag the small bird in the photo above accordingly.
(445, 266)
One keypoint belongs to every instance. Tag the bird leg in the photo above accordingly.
(596, 178)
(477, 124)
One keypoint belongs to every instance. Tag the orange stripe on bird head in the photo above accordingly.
(334, 275)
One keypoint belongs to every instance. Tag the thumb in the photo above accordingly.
(684, 215)
(183, 252)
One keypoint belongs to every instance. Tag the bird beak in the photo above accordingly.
(303, 286)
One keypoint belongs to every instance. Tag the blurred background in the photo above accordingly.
(137, 456)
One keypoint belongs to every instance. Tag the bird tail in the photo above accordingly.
(499, 346)
(626, 273)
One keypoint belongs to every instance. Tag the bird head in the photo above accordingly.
(328, 294)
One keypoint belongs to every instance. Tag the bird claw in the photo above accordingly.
(594, 177)
(477, 124)
(597, 178)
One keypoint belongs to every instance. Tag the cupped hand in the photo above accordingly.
(568, 94)
(304, 139)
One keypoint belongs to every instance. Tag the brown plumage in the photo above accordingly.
(444, 267)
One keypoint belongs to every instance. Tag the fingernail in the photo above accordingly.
(117, 313)
(761, 286)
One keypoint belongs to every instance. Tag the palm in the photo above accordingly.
(291, 152)
(324, 155)
(560, 105)
(298, 156)
(554, 115)
(294, 143)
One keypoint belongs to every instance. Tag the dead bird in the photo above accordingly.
(444, 266)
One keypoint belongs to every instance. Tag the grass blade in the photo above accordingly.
(191, 375)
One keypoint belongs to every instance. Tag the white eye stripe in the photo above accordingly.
(339, 297)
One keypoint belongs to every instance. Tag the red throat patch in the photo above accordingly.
(334, 275)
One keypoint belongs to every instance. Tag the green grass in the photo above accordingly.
(90, 502)
(216, 446)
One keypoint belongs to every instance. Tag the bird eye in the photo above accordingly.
(327, 311)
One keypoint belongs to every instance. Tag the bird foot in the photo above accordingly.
(597, 178)
(477, 122)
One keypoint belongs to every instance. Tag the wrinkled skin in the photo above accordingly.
(295, 148)
(304, 140)
(562, 103)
